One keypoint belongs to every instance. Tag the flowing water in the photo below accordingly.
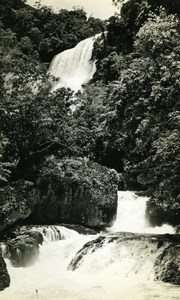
(131, 216)
(115, 271)
(74, 67)
(105, 271)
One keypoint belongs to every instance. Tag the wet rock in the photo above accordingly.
(4, 276)
(159, 211)
(80, 229)
(76, 192)
(89, 247)
(24, 249)
(167, 267)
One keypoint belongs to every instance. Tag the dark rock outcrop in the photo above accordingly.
(24, 249)
(76, 192)
(161, 211)
(16, 203)
(69, 191)
(4, 276)
(167, 267)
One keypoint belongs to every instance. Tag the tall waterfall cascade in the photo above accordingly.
(73, 67)
(109, 266)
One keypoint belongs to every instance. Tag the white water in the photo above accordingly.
(74, 67)
(131, 216)
(115, 271)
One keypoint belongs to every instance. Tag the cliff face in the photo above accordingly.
(74, 191)
(69, 191)
(16, 203)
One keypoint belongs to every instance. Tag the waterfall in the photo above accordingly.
(74, 67)
(108, 266)
(53, 233)
(131, 216)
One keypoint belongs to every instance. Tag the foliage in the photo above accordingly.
(127, 118)
(141, 127)
(33, 120)
(159, 35)
(89, 118)
(4, 166)
(40, 30)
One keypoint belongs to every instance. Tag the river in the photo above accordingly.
(112, 272)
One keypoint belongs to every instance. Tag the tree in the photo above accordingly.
(143, 95)
(159, 35)
(118, 2)
(5, 167)
(33, 120)
(40, 29)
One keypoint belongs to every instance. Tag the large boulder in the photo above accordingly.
(76, 192)
(23, 250)
(4, 276)
(16, 202)
(167, 267)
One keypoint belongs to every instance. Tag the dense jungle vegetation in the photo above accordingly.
(126, 118)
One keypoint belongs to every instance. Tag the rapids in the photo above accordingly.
(108, 271)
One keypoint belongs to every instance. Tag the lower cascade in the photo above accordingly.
(129, 261)
(131, 215)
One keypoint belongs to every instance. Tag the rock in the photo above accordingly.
(24, 249)
(16, 203)
(80, 229)
(159, 211)
(4, 276)
(76, 192)
(167, 267)
(69, 191)
(91, 246)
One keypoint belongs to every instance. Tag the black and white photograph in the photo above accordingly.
(89, 149)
